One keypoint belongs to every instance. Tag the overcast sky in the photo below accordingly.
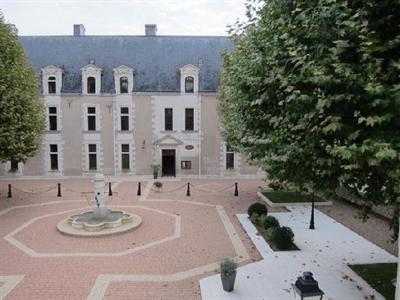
(173, 17)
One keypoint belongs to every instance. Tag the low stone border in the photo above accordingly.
(65, 227)
(273, 204)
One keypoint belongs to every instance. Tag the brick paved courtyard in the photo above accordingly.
(180, 241)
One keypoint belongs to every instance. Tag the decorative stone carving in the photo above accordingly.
(51, 71)
(193, 71)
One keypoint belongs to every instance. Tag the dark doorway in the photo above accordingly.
(168, 162)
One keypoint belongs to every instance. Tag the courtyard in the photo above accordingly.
(180, 242)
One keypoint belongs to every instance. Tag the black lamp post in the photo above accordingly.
(312, 212)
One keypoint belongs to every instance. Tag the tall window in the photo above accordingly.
(189, 119)
(125, 164)
(91, 85)
(91, 118)
(124, 118)
(168, 119)
(51, 84)
(230, 158)
(189, 84)
(53, 157)
(92, 150)
(123, 85)
(52, 118)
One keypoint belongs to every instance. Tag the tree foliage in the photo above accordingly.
(21, 112)
(312, 92)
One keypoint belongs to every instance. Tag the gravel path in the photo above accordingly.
(375, 229)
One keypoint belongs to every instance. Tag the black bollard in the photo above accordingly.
(9, 191)
(236, 189)
(188, 190)
(59, 190)
(109, 189)
(139, 189)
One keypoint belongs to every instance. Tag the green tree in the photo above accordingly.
(312, 92)
(21, 112)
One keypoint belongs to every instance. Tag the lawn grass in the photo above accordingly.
(379, 276)
(289, 197)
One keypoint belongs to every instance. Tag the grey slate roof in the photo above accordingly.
(155, 59)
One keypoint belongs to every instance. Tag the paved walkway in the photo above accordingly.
(325, 252)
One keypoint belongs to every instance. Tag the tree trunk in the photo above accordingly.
(398, 267)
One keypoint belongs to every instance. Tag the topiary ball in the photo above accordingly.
(284, 238)
(268, 222)
(271, 233)
(258, 208)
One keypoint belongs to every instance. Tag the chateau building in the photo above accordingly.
(121, 104)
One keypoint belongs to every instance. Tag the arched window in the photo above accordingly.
(123, 85)
(189, 84)
(51, 83)
(91, 85)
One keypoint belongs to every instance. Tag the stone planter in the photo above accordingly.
(228, 282)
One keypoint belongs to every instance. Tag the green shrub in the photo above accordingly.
(268, 222)
(228, 267)
(258, 208)
(271, 232)
(283, 237)
(158, 184)
(255, 218)
(275, 185)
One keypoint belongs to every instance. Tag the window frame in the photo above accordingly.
(187, 90)
(125, 153)
(91, 118)
(90, 154)
(231, 154)
(168, 119)
(124, 84)
(52, 116)
(189, 120)
(50, 81)
(88, 85)
(53, 153)
(124, 116)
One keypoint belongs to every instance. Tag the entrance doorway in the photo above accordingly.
(168, 162)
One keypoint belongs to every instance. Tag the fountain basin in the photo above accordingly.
(99, 222)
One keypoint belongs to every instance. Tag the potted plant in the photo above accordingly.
(228, 274)
(158, 185)
(156, 169)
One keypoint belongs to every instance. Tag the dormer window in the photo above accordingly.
(91, 85)
(189, 84)
(51, 85)
(189, 79)
(51, 80)
(123, 79)
(123, 85)
(91, 79)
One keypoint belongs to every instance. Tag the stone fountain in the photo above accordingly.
(101, 220)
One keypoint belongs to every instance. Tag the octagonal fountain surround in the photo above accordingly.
(100, 221)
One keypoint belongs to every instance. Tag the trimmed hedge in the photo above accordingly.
(268, 222)
(257, 208)
(283, 237)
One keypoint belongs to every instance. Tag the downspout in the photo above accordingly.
(113, 119)
(200, 132)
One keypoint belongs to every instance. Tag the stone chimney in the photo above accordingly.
(151, 29)
(79, 30)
